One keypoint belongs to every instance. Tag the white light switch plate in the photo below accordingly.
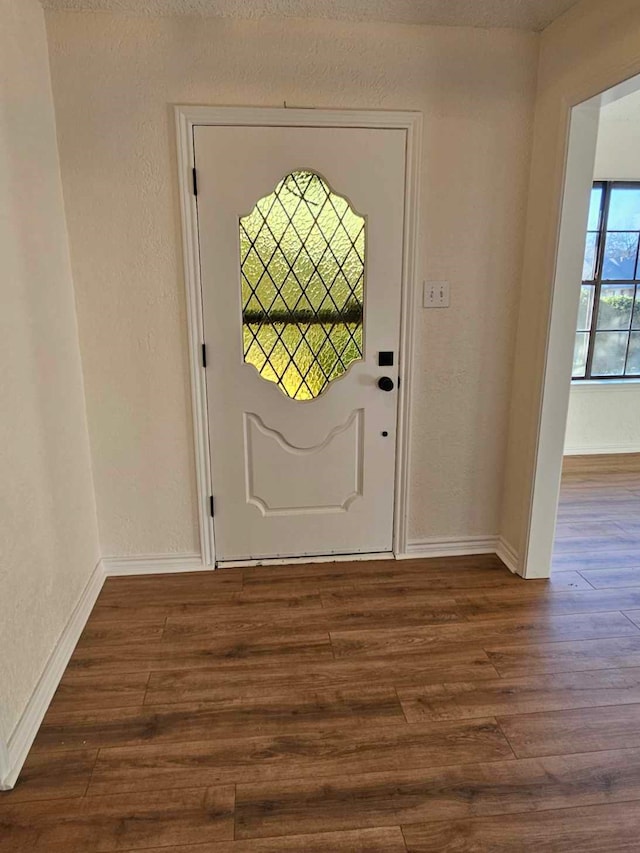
(435, 294)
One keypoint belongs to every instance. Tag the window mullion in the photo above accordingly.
(604, 218)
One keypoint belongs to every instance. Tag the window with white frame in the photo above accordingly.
(608, 332)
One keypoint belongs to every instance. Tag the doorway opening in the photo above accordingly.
(584, 527)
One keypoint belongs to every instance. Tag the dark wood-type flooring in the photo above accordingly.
(424, 706)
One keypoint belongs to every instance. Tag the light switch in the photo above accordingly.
(435, 294)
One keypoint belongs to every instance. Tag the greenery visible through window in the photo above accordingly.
(302, 257)
(608, 332)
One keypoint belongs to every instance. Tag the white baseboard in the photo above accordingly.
(14, 753)
(4, 766)
(153, 564)
(461, 547)
(602, 449)
(509, 556)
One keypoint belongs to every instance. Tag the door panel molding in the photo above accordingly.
(290, 473)
(189, 117)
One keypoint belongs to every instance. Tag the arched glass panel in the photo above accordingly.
(302, 257)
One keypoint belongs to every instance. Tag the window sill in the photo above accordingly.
(619, 384)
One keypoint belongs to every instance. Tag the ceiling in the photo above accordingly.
(521, 14)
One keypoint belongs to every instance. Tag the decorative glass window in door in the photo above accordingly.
(302, 257)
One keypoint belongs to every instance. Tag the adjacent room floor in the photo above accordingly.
(598, 531)
(441, 705)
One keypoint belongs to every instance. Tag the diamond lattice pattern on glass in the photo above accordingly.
(302, 257)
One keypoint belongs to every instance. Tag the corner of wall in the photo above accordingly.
(509, 556)
(14, 753)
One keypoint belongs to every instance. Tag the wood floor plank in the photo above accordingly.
(45, 777)
(403, 641)
(525, 785)
(183, 585)
(601, 463)
(353, 610)
(634, 616)
(443, 583)
(412, 574)
(177, 581)
(582, 730)
(126, 822)
(196, 629)
(566, 657)
(610, 559)
(543, 601)
(266, 714)
(607, 542)
(630, 525)
(327, 752)
(121, 633)
(595, 829)
(372, 568)
(387, 839)
(612, 578)
(200, 685)
(118, 690)
(247, 651)
(568, 580)
(521, 695)
(236, 605)
(142, 590)
(577, 531)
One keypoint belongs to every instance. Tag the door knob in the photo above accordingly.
(385, 383)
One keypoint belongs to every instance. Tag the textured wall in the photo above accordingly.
(115, 78)
(617, 157)
(591, 48)
(604, 418)
(48, 536)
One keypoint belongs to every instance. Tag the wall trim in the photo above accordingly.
(438, 547)
(602, 449)
(14, 753)
(509, 556)
(598, 386)
(575, 156)
(153, 564)
(4, 766)
(187, 118)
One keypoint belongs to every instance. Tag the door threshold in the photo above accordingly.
(310, 558)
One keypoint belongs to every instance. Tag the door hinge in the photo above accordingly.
(211, 505)
(195, 180)
(204, 355)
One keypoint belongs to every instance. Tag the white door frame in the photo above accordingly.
(188, 117)
(579, 169)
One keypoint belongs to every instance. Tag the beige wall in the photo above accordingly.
(115, 78)
(48, 537)
(591, 48)
(618, 151)
(603, 418)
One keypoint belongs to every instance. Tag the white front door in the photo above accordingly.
(301, 240)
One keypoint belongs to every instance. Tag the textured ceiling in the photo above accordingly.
(522, 14)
